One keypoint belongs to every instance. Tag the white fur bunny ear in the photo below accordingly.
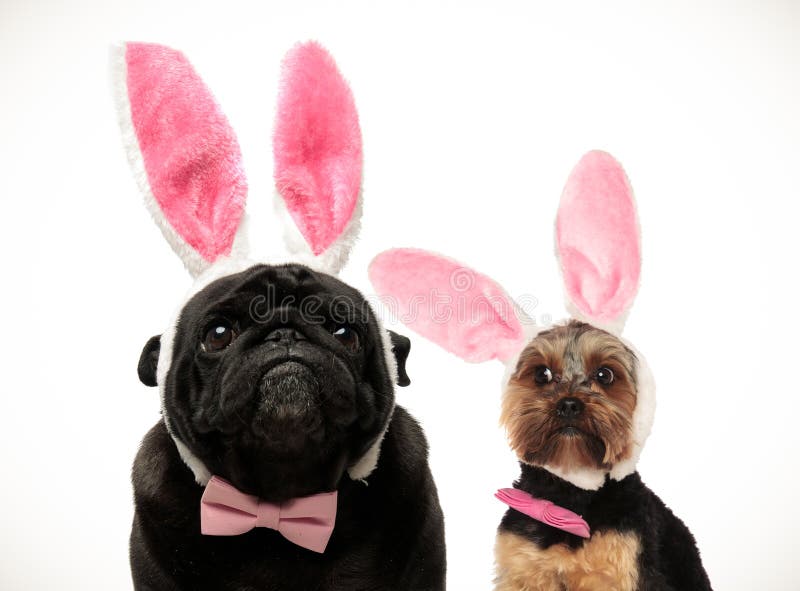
(183, 151)
(457, 308)
(598, 242)
(318, 157)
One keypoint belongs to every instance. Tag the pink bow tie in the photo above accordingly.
(305, 521)
(544, 511)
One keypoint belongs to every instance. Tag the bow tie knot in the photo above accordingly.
(305, 521)
(268, 515)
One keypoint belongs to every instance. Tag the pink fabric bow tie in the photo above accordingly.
(305, 521)
(544, 511)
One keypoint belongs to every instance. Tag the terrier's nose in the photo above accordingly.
(285, 335)
(569, 408)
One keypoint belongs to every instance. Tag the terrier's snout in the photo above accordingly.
(569, 408)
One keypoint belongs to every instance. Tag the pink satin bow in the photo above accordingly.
(544, 511)
(305, 521)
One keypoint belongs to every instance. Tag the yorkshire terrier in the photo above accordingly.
(578, 402)
(569, 408)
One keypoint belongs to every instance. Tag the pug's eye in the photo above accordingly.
(605, 376)
(542, 375)
(218, 336)
(346, 336)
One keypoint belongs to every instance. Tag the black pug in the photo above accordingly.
(279, 382)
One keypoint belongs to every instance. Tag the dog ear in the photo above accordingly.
(148, 361)
(598, 241)
(454, 306)
(400, 347)
(182, 150)
(318, 156)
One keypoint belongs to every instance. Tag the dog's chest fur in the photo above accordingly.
(388, 535)
(637, 543)
(608, 560)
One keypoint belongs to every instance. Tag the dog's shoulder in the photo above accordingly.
(669, 557)
(405, 441)
(158, 469)
(673, 549)
(412, 533)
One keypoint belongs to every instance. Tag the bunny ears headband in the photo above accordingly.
(188, 165)
(599, 249)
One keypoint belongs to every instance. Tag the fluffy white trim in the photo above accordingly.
(222, 267)
(335, 256)
(530, 330)
(585, 478)
(643, 416)
(119, 76)
(201, 474)
(614, 326)
(368, 462)
(191, 259)
(388, 354)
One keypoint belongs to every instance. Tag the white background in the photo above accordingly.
(472, 118)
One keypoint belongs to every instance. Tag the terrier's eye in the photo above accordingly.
(346, 336)
(219, 335)
(604, 375)
(542, 375)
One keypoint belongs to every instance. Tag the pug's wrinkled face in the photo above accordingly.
(279, 379)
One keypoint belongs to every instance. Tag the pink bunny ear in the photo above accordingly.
(457, 308)
(597, 240)
(183, 150)
(317, 148)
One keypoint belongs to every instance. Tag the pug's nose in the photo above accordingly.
(285, 335)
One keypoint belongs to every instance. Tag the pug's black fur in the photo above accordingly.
(298, 395)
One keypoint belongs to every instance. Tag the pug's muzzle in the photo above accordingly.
(281, 391)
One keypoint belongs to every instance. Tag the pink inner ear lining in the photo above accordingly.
(317, 146)
(190, 152)
(457, 308)
(597, 236)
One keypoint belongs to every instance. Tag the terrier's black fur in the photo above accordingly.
(669, 559)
